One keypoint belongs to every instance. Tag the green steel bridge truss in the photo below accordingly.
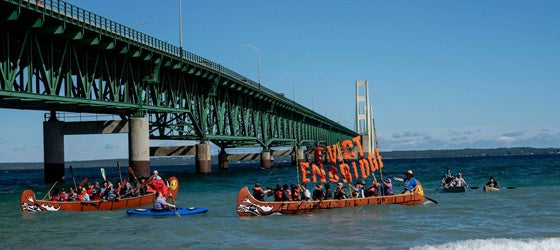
(55, 56)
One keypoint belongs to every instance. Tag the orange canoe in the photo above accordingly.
(247, 205)
(31, 204)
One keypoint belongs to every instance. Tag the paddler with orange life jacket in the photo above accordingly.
(258, 192)
(159, 184)
(278, 193)
(83, 196)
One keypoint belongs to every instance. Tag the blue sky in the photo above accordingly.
(442, 74)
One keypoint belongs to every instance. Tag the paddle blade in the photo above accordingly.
(84, 182)
(71, 171)
(103, 174)
(430, 199)
(130, 170)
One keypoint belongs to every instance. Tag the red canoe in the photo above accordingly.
(31, 204)
(247, 205)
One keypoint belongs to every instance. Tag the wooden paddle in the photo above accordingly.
(119, 167)
(131, 171)
(48, 192)
(430, 199)
(74, 179)
(84, 182)
(103, 174)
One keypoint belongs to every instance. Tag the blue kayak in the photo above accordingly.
(179, 211)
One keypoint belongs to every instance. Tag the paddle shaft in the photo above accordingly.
(430, 199)
(119, 167)
(131, 171)
(74, 179)
(103, 174)
(48, 192)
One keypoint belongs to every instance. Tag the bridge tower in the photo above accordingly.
(364, 125)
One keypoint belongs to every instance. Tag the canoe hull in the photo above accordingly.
(179, 211)
(247, 205)
(454, 189)
(30, 204)
(490, 189)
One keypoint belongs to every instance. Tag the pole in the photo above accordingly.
(181, 27)
(259, 63)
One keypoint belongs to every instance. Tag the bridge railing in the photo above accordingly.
(72, 13)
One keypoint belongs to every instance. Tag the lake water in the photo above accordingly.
(526, 216)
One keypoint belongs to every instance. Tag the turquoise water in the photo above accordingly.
(524, 217)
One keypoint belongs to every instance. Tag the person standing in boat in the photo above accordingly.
(410, 182)
(492, 182)
(459, 181)
(339, 192)
(158, 184)
(161, 204)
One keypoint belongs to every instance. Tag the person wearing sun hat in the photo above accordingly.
(409, 182)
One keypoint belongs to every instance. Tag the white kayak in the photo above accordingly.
(490, 189)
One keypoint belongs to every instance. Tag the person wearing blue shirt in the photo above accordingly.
(410, 182)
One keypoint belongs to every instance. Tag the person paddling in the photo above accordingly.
(492, 182)
(161, 204)
(410, 182)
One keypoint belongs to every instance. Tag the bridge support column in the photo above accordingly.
(139, 146)
(298, 156)
(222, 160)
(203, 159)
(53, 149)
(266, 161)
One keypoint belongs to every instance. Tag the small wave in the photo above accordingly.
(497, 243)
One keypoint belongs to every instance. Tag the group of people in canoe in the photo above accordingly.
(300, 192)
(449, 181)
(95, 191)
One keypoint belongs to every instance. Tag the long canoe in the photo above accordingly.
(247, 205)
(30, 204)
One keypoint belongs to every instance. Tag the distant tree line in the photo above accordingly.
(469, 152)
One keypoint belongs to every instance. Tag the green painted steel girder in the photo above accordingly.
(63, 58)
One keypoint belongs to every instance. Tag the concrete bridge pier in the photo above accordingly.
(298, 156)
(139, 146)
(266, 161)
(222, 160)
(53, 148)
(203, 158)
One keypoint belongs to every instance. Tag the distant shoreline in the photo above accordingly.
(392, 155)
